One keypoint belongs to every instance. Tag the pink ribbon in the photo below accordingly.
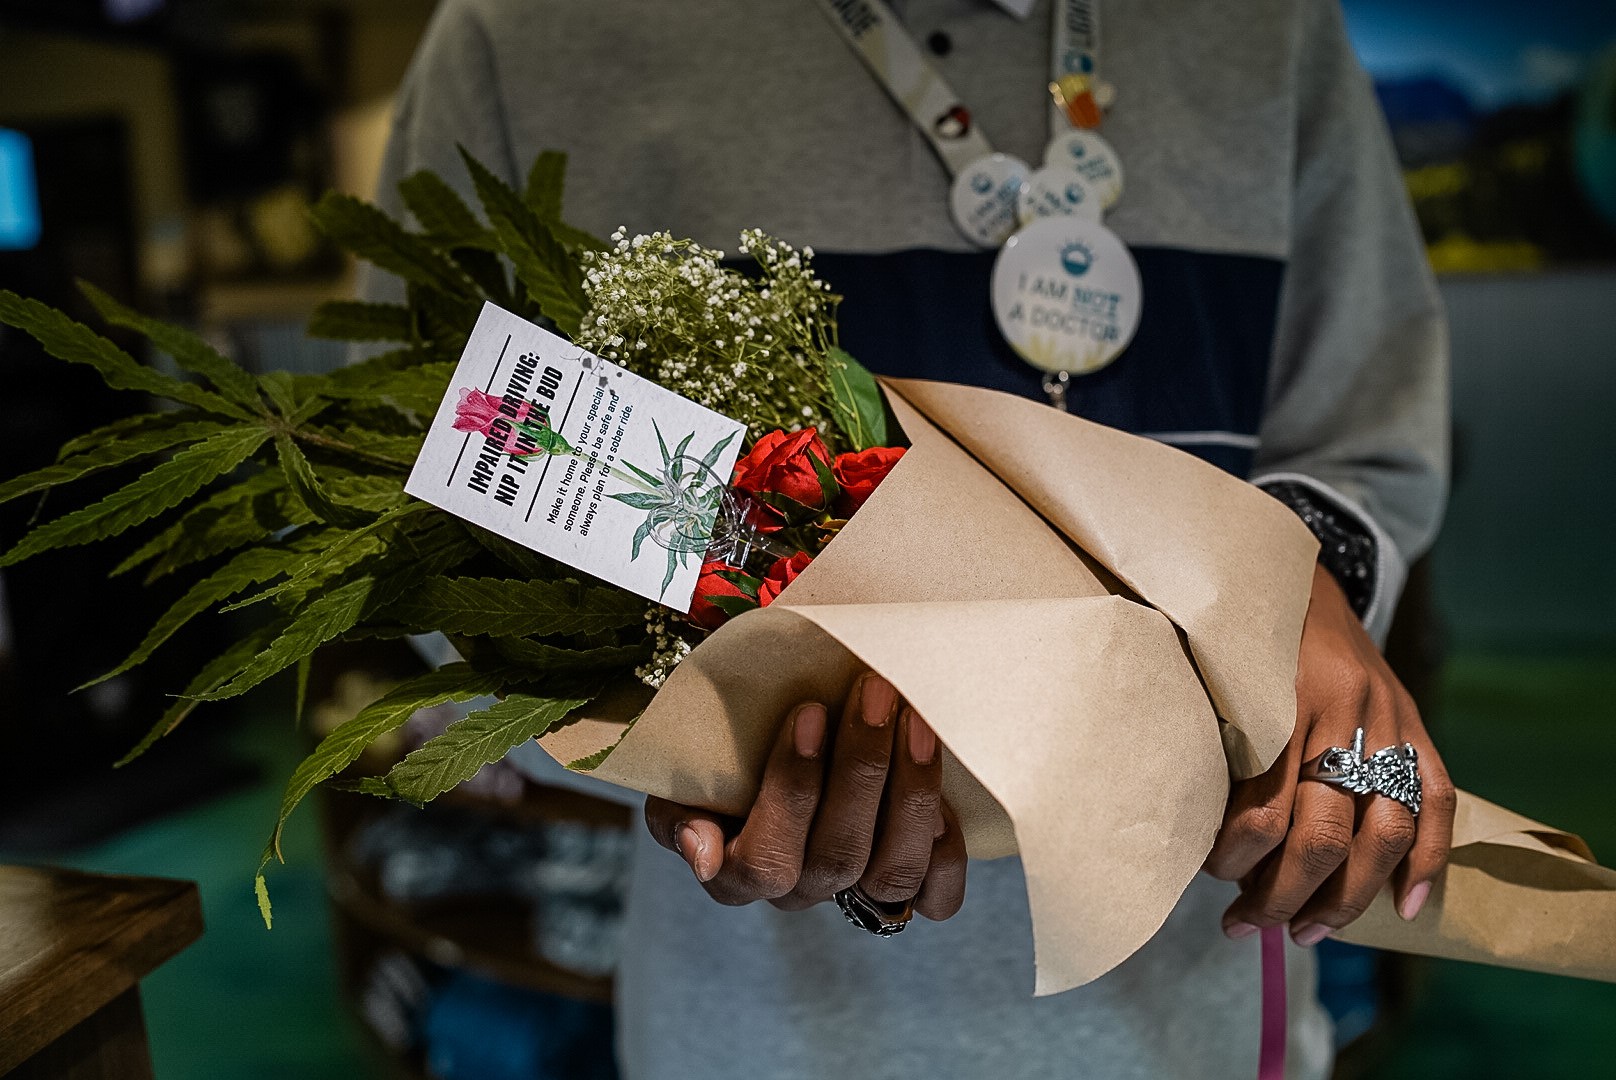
(1271, 1055)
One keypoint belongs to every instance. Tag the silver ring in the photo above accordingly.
(1393, 771)
(882, 920)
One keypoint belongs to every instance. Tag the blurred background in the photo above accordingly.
(168, 150)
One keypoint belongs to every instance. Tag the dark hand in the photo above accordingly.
(1314, 855)
(863, 806)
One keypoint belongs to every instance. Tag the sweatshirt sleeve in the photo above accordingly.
(1358, 398)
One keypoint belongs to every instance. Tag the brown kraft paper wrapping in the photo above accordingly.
(1101, 629)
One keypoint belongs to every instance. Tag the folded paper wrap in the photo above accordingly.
(1102, 630)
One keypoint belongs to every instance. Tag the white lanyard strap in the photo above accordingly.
(1074, 49)
(873, 31)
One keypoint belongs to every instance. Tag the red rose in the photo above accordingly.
(703, 612)
(782, 573)
(782, 463)
(859, 473)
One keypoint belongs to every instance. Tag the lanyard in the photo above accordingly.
(873, 31)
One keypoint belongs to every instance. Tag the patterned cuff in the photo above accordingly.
(1347, 549)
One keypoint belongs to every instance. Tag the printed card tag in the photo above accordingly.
(554, 448)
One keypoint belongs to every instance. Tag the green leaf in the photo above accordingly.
(441, 212)
(443, 321)
(188, 350)
(261, 891)
(828, 487)
(539, 657)
(212, 675)
(342, 552)
(506, 608)
(332, 614)
(486, 269)
(341, 748)
(372, 491)
(591, 762)
(225, 520)
(545, 184)
(856, 402)
(354, 320)
(356, 377)
(164, 487)
(468, 744)
(733, 605)
(76, 343)
(545, 187)
(248, 568)
(419, 388)
(125, 428)
(542, 263)
(377, 238)
(525, 561)
(301, 699)
(108, 455)
(402, 567)
(279, 387)
(742, 581)
(312, 494)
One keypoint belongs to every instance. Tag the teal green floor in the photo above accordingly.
(244, 1002)
(1538, 735)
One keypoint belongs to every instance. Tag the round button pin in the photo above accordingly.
(1093, 158)
(983, 198)
(1066, 294)
(1056, 191)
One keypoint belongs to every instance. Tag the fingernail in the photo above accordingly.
(922, 740)
(808, 730)
(1415, 900)
(694, 850)
(876, 698)
(1310, 935)
(1239, 930)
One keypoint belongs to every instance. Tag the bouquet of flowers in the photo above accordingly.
(1100, 629)
(283, 494)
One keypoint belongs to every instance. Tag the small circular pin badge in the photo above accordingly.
(1057, 191)
(984, 196)
(1093, 158)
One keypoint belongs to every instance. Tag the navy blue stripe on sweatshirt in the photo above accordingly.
(1198, 364)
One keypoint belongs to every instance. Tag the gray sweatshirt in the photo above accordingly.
(1290, 329)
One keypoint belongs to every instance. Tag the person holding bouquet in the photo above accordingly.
(1290, 333)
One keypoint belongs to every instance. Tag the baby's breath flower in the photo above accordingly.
(750, 346)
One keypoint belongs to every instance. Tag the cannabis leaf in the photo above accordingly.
(354, 320)
(312, 494)
(470, 743)
(507, 608)
(189, 351)
(109, 454)
(341, 748)
(168, 485)
(372, 235)
(76, 343)
(542, 262)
